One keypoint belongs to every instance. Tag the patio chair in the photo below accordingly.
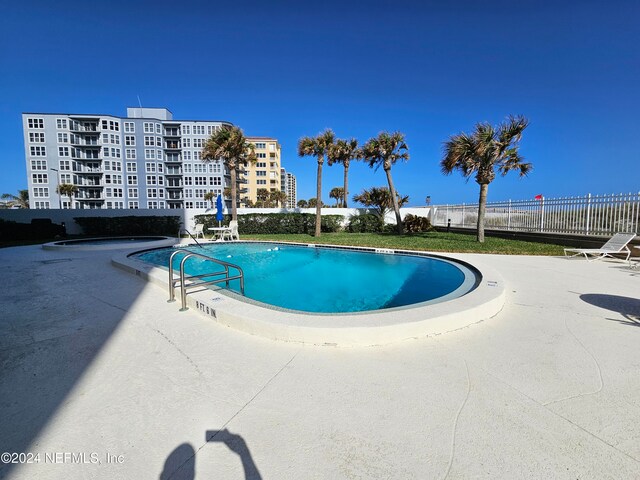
(199, 230)
(616, 244)
(232, 231)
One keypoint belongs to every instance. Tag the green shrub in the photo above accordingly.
(276, 223)
(39, 228)
(416, 224)
(118, 226)
(365, 223)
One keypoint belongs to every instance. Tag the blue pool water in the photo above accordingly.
(326, 280)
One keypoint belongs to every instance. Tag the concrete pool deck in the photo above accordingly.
(96, 366)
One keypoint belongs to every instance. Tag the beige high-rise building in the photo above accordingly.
(266, 171)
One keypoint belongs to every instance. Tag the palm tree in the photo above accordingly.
(21, 200)
(385, 150)
(483, 152)
(230, 145)
(278, 197)
(379, 198)
(68, 189)
(209, 197)
(337, 193)
(343, 151)
(303, 203)
(317, 147)
(262, 197)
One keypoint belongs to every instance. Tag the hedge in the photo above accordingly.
(276, 223)
(116, 226)
(38, 229)
(365, 223)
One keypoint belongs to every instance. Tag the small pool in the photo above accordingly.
(111, 243)
(331, 280)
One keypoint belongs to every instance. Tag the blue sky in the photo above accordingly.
(288, 69)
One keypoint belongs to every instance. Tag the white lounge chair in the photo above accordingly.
(199, 230)
(616, 244)
(232, 232)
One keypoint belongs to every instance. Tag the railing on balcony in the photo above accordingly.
(172, 145)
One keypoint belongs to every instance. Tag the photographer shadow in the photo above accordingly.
(180, 464)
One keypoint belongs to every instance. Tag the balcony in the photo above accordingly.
(172, 146)
(89, 127)
(173, 158)
(87, 142)
(174, 196)
(172, 132)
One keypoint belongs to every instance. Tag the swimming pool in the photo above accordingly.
(330, 280)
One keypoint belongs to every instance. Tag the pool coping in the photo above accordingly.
(163, 241)
(378, 327)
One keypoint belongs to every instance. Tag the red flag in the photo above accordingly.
(538, 197)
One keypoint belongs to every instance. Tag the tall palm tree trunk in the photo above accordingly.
(345, 193)
(319, 198)
(70, 201)
(482, 206)
(394, 199)
(234, 206)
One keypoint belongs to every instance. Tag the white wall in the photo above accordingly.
(23, 215)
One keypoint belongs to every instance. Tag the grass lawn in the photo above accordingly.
(431, 241)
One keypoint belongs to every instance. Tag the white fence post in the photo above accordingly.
(509, 216)
(463, 215)
(542, 214)
(588, 214)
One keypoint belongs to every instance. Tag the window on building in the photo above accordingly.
(152, 193)
(133, 205)
(261, 145)
(36, 137)
(261, 173)
(40, 192)
(63, 137)
(41, 205)
(63, 151)
(35, 122)
(38, 151)
(61, 123)
(132, 167)
(217, 167)
(38, 164)
(158, 128)
(261, 182)
(148, 127)
(129, 127)
(152, 180)
(132, 179)
(200, 180)
(198, 142)
(130, 140)
(197, 155)
(261, 165)
(39, 178)
(186, 142)
(187, 155)
(188, 180)
(186, 129)
(261, 155)
(149, 154)
(217, 181)
(131, 153)
(132, 192)
(65, 165)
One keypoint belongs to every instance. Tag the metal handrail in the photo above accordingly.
(183, 286)
(190, 234)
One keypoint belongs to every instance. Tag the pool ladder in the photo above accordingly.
(173, 282)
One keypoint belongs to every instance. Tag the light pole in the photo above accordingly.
(57, 187)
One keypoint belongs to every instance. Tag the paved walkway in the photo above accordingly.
(97, 367)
